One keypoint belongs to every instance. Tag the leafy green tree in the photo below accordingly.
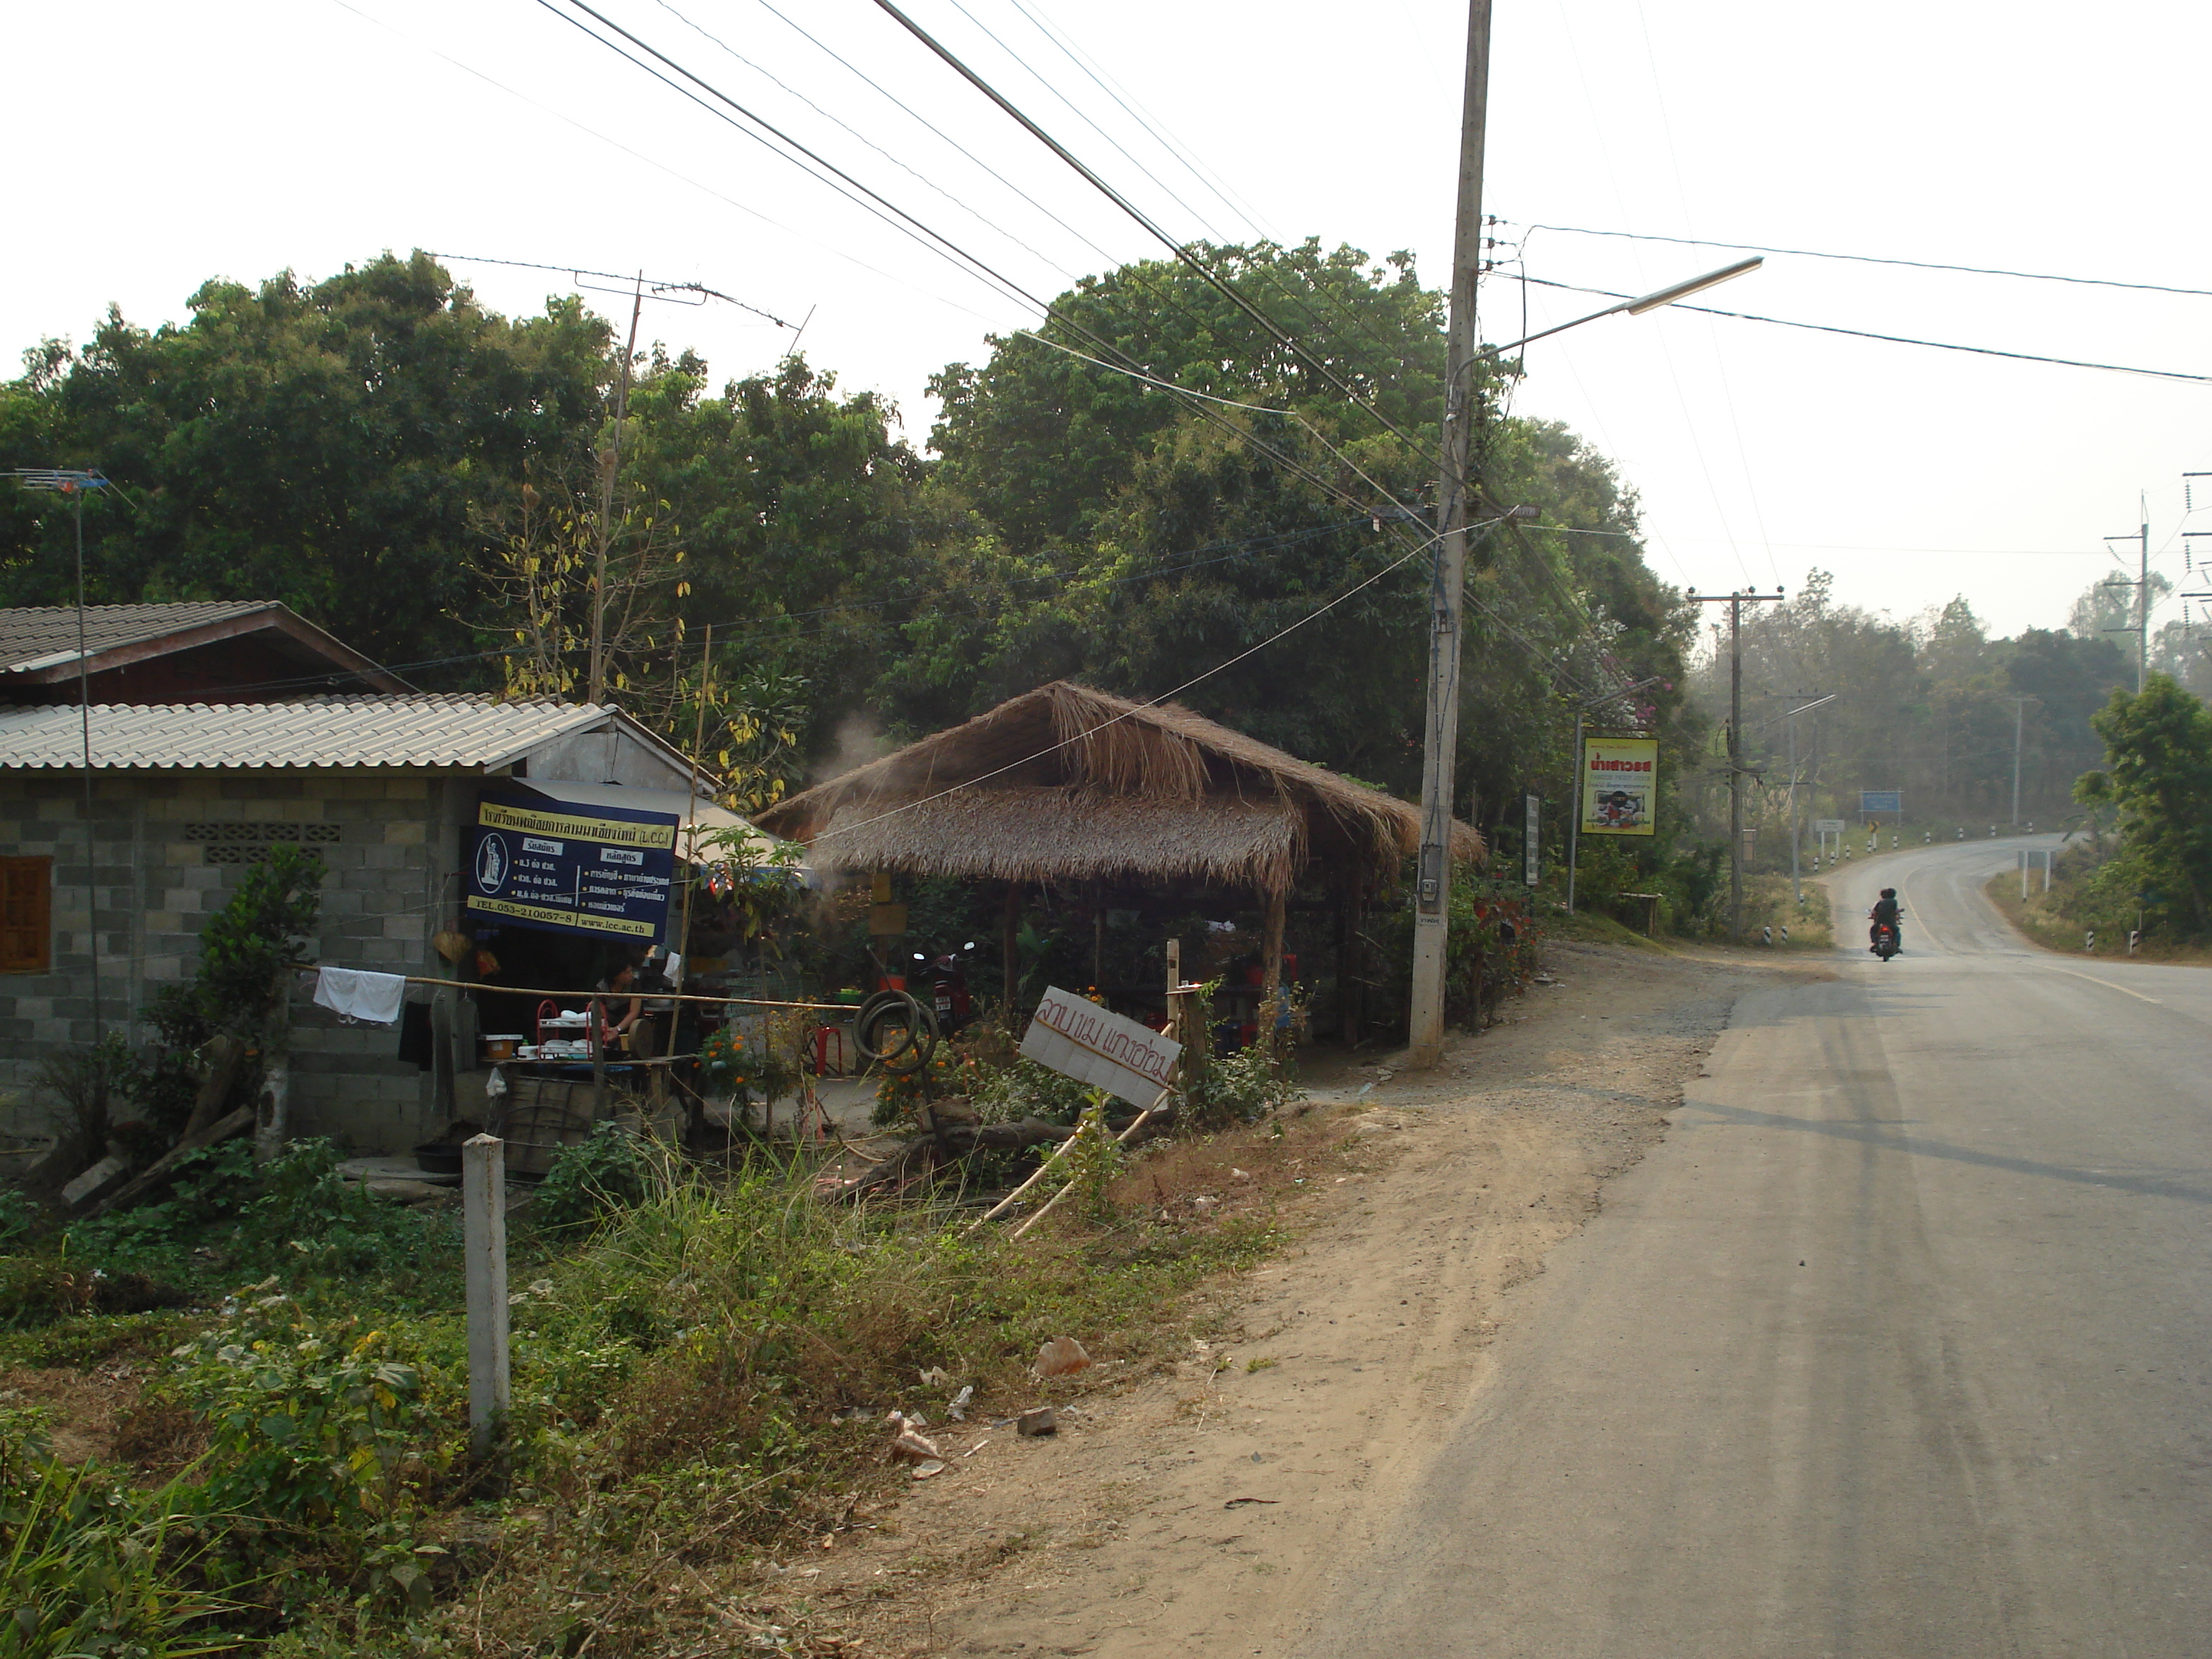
(2157, 777)
(1040, 442)
(324, 444)
(1128, 539)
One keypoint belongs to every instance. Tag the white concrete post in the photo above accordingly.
(483, 1197)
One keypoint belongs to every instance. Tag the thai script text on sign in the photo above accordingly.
(605, 872)
(1619, 785)
(1076, 1037)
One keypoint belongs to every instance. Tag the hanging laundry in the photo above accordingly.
(357, 993)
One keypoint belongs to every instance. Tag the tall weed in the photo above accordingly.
(91, 1567)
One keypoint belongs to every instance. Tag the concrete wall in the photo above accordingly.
(168, 849)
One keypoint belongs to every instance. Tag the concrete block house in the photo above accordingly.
(392, 789)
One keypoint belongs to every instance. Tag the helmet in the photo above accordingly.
(1889, 892)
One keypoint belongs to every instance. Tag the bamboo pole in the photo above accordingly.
(1138, 1122)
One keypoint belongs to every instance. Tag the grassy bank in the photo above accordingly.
(271, 1452)
(2042, 917)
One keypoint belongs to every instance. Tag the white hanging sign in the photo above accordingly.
(1076, 1037)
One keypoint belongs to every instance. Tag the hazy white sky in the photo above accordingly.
(156, 145)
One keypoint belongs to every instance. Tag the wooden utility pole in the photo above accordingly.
(1433, 892)
(1735, 603)
(610, 463)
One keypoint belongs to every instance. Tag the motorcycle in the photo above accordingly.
(1885, 941)
(948, 987)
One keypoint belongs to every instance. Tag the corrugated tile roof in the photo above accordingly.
(424, 730)
(31, 635)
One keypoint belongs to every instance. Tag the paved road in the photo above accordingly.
(1901, 1345)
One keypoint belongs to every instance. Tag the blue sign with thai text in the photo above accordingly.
(606, 871)
(1881, 801)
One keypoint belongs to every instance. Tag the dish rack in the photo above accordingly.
(560, 1036)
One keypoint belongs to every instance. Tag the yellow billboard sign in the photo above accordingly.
(1619, 785)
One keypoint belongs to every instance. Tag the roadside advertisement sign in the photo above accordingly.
(1074, 1036)
(1619, 785)
(605, 871)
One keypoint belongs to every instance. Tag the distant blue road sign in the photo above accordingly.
(1881, 801)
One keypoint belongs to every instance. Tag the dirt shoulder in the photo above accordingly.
(1205, 1508)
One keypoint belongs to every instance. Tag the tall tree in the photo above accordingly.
(2157, 777)
(322, 444)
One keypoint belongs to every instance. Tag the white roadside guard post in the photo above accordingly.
(483, 1198)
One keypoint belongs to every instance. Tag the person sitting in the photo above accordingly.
(620, 1018)
(1884, 915)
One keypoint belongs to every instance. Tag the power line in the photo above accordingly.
(892, 99)
(1896, 339)
(918, 226)
(1218, 186)
(654, 287)
(848, 126)
(992, 36)
(658, 166)
(903, 222)
(1220, 667)
(1179, 250)
(1874, 260)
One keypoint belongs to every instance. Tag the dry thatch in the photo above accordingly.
(1064, 783)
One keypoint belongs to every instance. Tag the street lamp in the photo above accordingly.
(1651, 301)
(1432, 887)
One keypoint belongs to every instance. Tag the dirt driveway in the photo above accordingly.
(1205, 1509)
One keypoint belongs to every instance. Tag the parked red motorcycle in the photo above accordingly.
(947, 982)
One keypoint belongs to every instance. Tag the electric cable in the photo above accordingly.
(1220, 667)
(848, 126)
(658, 166)
(652, 286)
(1004, 282)
(1221, 189)
(943, 246)
(1136, 213)
(1893, 339)
(892, 99)
(1873, 259)
(1081, 115)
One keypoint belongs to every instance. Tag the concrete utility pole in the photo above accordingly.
(2019, 726)
(1736, 601)
(1432, 890)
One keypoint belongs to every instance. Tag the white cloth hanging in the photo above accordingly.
(357, 993)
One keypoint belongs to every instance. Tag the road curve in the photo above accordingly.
(1899, 1344)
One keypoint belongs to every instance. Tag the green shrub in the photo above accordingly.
(608, 1172)
(311, 1425)
(1026, 1089)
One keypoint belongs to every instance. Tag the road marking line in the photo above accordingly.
(2108, 985)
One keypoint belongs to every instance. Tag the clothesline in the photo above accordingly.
(603, 996)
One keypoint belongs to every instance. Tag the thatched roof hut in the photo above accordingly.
(1064, 783)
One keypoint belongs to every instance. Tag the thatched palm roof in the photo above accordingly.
(1065, 783)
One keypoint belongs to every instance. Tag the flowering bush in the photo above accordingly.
(900, 1094)
(747, 1067)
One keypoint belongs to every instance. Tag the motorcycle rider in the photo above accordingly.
(1884, 915)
